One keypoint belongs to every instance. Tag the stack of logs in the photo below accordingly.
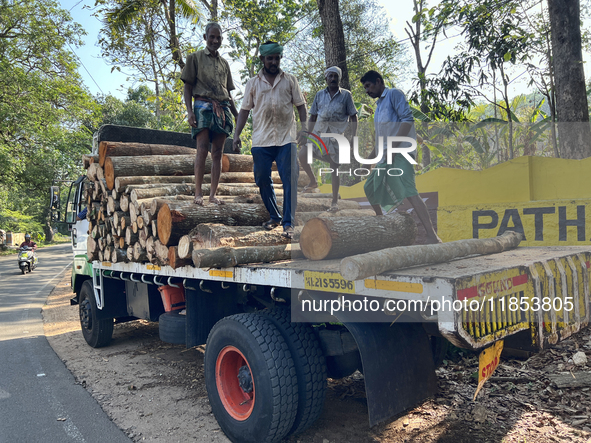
(141, 208)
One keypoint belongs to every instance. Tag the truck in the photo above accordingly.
(275, 331)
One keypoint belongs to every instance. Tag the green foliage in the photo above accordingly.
(368, 41)
(42, 104)
(17, 222)
(253, 22)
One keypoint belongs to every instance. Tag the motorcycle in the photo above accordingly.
(27, 259)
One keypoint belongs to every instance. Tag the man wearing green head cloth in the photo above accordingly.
(271, 95)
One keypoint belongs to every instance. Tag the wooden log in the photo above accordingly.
(124, 202)
(228, 257)
(335, 237)
(91, 171)
(214, 235)
(161, 252)
(121, 183)
(150, 165)
(237, 163)
(122, 243)
(130, 236)
(119, 149)
(302, 217)
(134, 227)
(119, 255)
(112, 205)
(100, 174)
(117, 216)
(143, 235)
(140, 223)
(150, 248)
(365, 265)
(174, 261)
(139, 253)
(88, 159)
(239, 177)
(171, 189)
(129, 252)
(91, 248)
(315, 195)
(154, 228)
(176, 220)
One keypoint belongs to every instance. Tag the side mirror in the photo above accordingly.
(70, 217)
(55, 198)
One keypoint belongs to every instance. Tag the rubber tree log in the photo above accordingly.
(170, 189)
(150, 165)
(213, 235)
(237, 163)
(119, 255)
(335, 237)
(139, 253)
(174, 261)
(88, 159)
(121, 149)
(175, 219)
(121, 183)
(228, 257)
(366, 265)
(302, 217)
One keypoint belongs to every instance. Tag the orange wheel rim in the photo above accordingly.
(237, 402)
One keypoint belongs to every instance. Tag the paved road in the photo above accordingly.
(39, 400)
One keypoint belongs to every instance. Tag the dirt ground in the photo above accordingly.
(155, 392)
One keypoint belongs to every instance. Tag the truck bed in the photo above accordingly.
(489, 283)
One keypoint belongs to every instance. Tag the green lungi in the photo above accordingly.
(389, 191)
(207, 118)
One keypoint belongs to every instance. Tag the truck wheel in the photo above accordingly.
(310, 366)
(97, 333)
(250, 378)
(171, 327)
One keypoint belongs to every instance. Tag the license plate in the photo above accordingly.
(328, 282)
(488, 361)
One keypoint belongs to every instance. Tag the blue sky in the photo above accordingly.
(98, 77)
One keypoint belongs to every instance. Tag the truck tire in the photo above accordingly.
(97, 333)
(251, 379)
(171, 327)
(310, 366)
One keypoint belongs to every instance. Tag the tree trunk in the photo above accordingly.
(213, 235)
(175, 220)
(121, 149)
(228, 257)
(119, 255)
(172, 189)
(326, 238)
(161, 253)
(88, 159)
(121, 183)
(335, 53)
(174, 261)
(238, 163)
(302, 217)
(139, 253)
(571, 95)
(150, 165)
(366, 265)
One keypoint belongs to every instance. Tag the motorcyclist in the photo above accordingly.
(29, 243)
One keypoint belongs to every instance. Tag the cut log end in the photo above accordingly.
(316, 243)
(164, 223)
(109, 173)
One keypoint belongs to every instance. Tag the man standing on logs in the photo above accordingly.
(208, 81)
(272, 94)
(331, 111)
(393, 117)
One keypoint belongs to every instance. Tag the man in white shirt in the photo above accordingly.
(271, 95)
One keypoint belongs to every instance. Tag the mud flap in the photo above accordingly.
(397, 365)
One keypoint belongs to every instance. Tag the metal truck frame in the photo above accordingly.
(266, 374)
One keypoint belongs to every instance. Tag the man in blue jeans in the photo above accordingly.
(271, 95)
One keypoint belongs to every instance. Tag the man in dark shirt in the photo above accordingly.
(29, 243)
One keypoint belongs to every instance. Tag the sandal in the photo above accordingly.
(271, 224)
(333, 208)
(308, 189)
(288, 232)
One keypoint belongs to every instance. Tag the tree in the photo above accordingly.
(425, 28)
(251, 23)
(571, 96)
(335, 52)
(42, 105)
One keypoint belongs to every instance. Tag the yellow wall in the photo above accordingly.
(512, 190)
